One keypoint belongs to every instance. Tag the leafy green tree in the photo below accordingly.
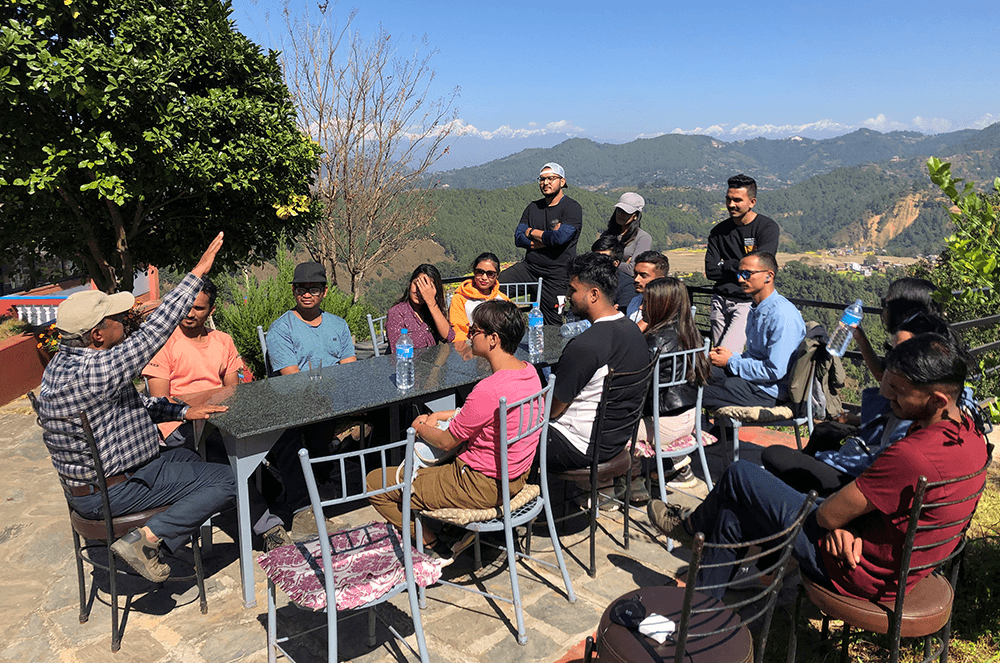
(133, 132)
(968, 272)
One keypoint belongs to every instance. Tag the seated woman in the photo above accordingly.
(624, 225)
(420, 311)
(666, 308)
(480, 288)
(472, 480)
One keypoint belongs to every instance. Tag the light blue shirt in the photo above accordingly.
(633, 313)
(774, 331)
(293, 342)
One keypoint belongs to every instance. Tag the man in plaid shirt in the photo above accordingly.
(93, 373)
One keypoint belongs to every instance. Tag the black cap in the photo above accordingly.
(309, 272)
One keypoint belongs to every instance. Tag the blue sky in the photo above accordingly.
(616, 71)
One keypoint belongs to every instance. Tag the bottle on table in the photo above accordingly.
(843, 335)
(404, 360)
(536, 334)
(573, 327)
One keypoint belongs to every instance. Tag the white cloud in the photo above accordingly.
(985, 121)
(463, 128)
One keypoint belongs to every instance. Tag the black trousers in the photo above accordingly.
(801, 470)
(553, 284)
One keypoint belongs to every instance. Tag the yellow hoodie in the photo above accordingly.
(464, 301)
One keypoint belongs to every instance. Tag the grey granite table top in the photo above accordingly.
(286, 401)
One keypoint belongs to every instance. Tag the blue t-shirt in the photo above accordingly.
(292, 342)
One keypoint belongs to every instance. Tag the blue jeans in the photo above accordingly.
(178, 477)
(748, 503)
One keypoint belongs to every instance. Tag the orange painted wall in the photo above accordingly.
(21, 367)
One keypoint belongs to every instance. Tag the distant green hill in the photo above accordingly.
(705, 162)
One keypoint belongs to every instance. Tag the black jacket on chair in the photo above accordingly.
(673, 400)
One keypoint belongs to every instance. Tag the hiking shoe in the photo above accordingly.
(440, 552)
(639, 493)
(463, 543)
(684, 478)
(304, 525)
(275, 538)
(141, 555)
(669, 519)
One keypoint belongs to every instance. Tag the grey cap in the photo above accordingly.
(630, 203)
(84, 310)
(555, 168)
(309, 272)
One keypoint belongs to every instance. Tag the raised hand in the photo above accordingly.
(207, 258)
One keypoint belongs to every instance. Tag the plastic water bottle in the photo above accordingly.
(536, 335)
(404, 361)
(842, 335)
(574, 328)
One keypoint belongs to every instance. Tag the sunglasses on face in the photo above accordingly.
(484, 272)
(745, 274)
(474, 331)
(314, 291)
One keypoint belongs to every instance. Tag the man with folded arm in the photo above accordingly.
(852, 540)
(93, 373)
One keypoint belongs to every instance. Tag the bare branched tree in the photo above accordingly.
(368, 109)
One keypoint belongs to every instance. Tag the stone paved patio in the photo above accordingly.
(40, 607)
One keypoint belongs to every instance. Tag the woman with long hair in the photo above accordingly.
(666, 308)
(482, 287)
(624, 224)
(420, 311)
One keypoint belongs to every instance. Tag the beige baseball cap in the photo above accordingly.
(82, 311)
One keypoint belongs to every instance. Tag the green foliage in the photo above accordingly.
(261, 301)
(968, 272)
(134, 131)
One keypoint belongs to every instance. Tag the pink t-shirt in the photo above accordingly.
(479, 422)
(192, 366)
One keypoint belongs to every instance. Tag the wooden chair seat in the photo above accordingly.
(926, 610)
(620, 644)
(615, 467)
(96, 530)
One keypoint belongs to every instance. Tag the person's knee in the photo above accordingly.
(776, 457)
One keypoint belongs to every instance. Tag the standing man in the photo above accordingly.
(549, 230)
(306, 333)
(612, 342)
(758, 377)
(93, 373)
(743, 233)
(649, 265)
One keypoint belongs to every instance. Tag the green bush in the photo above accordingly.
(260, 302)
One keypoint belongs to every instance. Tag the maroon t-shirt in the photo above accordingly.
(943, 451)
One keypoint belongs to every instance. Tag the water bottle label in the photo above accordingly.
(850, 319)
(403, 352)
(535, 322)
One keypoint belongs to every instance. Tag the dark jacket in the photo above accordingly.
(673, 400)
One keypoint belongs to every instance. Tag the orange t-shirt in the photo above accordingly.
(192, 366)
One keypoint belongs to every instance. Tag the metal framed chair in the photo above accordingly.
(107, 529)
(523, 509)
(707, 630)
(677, 365)
(795, 413)
(305, 571)
(926, 610)
(376, 330)
(520, 293)
(633, 387)
(262, 337)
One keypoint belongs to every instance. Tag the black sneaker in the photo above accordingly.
(141, 555)
(669, 519)
(684, 478)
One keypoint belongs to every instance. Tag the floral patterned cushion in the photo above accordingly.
(646, 449)
(367, 563)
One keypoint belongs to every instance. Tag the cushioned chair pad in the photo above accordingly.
(756, 414)
(528, 493)
(94, 530)
(617, 643)
(925, 611)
